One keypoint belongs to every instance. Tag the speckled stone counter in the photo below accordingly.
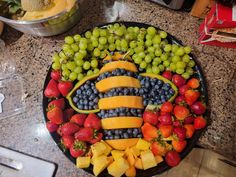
(27, 132)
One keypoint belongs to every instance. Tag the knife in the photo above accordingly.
(11, 163)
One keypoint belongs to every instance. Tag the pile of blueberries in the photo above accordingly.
(86, 97)
(118, 112)
(122, 133)
(122, 91)
(155, 91)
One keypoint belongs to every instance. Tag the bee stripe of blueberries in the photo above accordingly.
(120, 112)
(122, 91)
(154, 91)
(86, 97)
(122, 133)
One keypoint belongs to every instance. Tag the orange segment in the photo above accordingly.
(122, 144)
(119, 64)
(121, 122)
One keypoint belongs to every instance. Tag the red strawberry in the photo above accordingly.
(96, 138)
(78, 148)
(165, 119)
(67, 141)
(166, 130)
(149, 131)
(59, 131)
(158, 148)
(55, 115)
(179, 146)
(60, 103)
(178, 80)
(189, 120)
(85, 134)
(180, 132)
(166, 107)
(52, 127)
(56, 75)
(68, 113)
(78, 119)
(193, 83)
(176, 123)
(69, 128)
(92, 121)
(150, 117)
(183, 89)
(198, 107)
(180, 100)
(199, 122)
(181, 112)
(64, 87)
(167, 75)
(191, 96)
(172, 158)
(51, 90)
(189, 130)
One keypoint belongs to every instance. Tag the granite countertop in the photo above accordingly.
(27, 132)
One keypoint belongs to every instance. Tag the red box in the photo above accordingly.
(218, 18)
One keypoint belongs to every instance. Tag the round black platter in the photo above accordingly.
(160, 168)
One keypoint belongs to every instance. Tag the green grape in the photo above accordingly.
(119, 31)
(86, 65)
(79, 62)
(163, 43)
(191, 63)
(55, 57)
(111, 39)
(96, 70)
(175, 59)
(123, 49)
(180, 65)
(185, 76)
(66, 47)
(163, 34)
(118, 47)
(102, 40)
(66, 72)
(69, 53)
(156, 46)
(189, 71)
(64, 67)
(62, 55)
(118, 41)
(129, 36)
(148, 59)
(77, 37)
(149, 70)
(56, 66)
(140, 43)
(96, 32)
(74, 47)
(123, 43)
(166, 63)
(94, 63)
(155, 69)
(83, 52)
(151, 31)
(96, 52)
(143, 65)
(143, 30)
(80, 76)
(83, 46)
(139, 49)
(78, 69)
(157, 59)
(187, 49)
(103, 32)
(156, 39)
(130, 29)
(164, 56)
(152, 55)
(148, 37)
(83, 40)
(89, 72)
(78, 56)
(138, 60)
(71, 65)
(141, 54)
(103, 54)
(154, 63)
(172, 66)
(161, 67)
(179, 70)
(140, 37)
(88, 34)
(95, 43)
(174, 48)
(136, 29)
(151, 49)
(90, 47)
(158, 52)
(112, 47)
(186, 58)
(167, 48)
(180, 51)
(69, 40)
(116, 25)
(73, 76)
(131, 51)
(148, 42)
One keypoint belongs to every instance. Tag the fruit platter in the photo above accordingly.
(125, 99)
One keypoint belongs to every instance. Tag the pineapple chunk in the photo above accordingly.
(108, 148)
(135, 151)
(142, 144)
(158, 158)
(138, 164)
(110, 159)
(100, 163)
(131, 172)
(116, 154)
(131, 159)
(98, 149)
(82, 162)
(118, 167)
(148, 159)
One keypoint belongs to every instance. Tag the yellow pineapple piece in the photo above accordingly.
(118, 167)
(110, 159)
(138, 164)
(131, 172)
(108, 148)
(99, 164)
(131, 159)
(98, 149)
(116, 154)
(82, 162)
(142, 144)
(148, 159)
(158, 159)
(135, 151)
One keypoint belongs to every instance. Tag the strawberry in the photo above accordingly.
(78, 119)
(85, 134)
(181, 112)
(149, 131)
(150, 117)
(199, 122)
(189, 120)
(165, 119)
(180, 132)
(189, 130)
(179, 146)
(56, 75)
(178, 80)
(183, 89)
(64, 87)
(67, 114)
(67, 141)
(167, 75)
(193, 83)
(166, 107)
(59, 131)
(51, 90)
(96, 138)
(158, 148)
(92, 121)
(52, 127)
(165, 130)
(60, 103)
(176, 123)
(55, 115)
(198, 107)
(180, 100)
(78, 148)
(191, 96)
(172, 158)
(69, 128)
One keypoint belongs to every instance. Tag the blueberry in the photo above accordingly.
(116, 137)
(117, 132)
(78, 92)
(139, 136)
(75, 99)
(125, 135)
(129, 130)
(142, 82)
(86, 107)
